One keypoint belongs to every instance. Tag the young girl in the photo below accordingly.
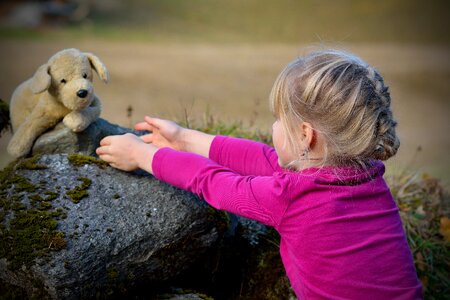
(321, 188)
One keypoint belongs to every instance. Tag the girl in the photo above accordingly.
(321, 187)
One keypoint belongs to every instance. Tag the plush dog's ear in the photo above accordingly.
(98, 66)
(41, 79)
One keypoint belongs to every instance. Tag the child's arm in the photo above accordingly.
(246, 157)
(243, 156)
(262, 198)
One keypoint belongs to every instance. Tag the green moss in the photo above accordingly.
(5, 176)
(23, 185)
(79, 160)
(30, 163)
(50, 196)
(5, 204)
(58, 241)
(80, 192)
(36, 198)
(58, 214)
(31, 234)
(45, 206)
(31, 231)
(16, 206)
(9, 178)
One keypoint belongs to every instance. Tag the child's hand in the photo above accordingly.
(127, 152)
(165, 133)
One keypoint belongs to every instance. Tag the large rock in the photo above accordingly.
(72, 229)
(63, 140)
(82, 230)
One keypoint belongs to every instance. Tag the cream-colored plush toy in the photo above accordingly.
(61, 89)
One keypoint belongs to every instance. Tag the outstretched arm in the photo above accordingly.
(243, 156)
(262, 198)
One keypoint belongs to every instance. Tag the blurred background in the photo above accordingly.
(195, 59)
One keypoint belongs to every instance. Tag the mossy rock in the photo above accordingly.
(31, 229)
(78, 230)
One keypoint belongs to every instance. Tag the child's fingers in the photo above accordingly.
(102, 150)
(147, 138)
(106, 157)
(114, 165)
(155, 122)
(106, 141)
(143, 126)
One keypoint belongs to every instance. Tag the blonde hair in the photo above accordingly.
(345, 100)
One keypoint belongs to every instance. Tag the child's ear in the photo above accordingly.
(98, 66)
(307, 134)
(41, 79)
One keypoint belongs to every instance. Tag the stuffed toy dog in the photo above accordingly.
(61, 89)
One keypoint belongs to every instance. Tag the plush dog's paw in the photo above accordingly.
(18, 148)
(75, 121)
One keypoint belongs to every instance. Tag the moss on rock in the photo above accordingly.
(27, 231)
(31, 234)
(80, 192)
(79, 160)
(30, 163)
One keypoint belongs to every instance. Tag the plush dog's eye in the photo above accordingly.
(63, 81)
(84, 75)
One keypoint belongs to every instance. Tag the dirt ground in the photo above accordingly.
(232, 82)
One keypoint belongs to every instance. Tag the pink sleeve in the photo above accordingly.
(244, 156)
(262, 198)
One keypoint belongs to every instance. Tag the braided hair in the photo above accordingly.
(347, 102)
(386, 138)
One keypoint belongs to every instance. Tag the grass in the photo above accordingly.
(424, 209)
(261, 21)
(210, 124)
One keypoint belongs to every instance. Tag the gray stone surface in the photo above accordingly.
(63, 140)
(129, 226)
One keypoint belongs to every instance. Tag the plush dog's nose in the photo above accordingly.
(82, 93)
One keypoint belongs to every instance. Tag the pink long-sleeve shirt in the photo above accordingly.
(341, 233)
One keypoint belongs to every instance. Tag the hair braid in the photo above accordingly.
(387, 142)
(345, 100)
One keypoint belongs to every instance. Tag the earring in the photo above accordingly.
(305, 152)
